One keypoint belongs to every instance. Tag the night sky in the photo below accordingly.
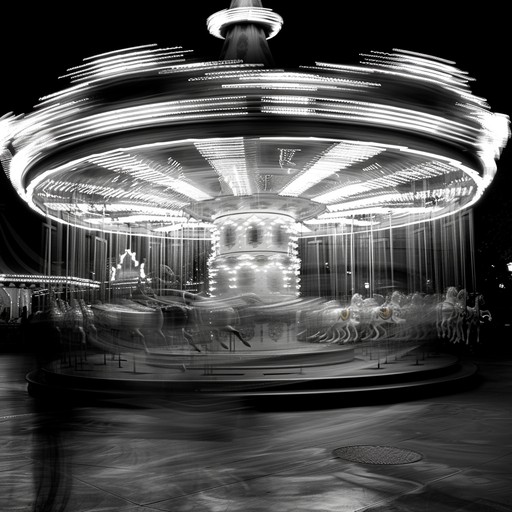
(38, 45)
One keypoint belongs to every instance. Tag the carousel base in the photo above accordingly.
(317, 376)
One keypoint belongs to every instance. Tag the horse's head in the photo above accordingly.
(357, 300)
(451, 292)
(417, 299)
(462, 295)
(396, 297)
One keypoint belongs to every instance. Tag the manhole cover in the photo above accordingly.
(367, 454)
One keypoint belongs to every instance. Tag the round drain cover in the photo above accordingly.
(368, 454)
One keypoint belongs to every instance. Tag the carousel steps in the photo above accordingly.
(356, 382)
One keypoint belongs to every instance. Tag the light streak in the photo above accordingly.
(218, 22)
(192, 114)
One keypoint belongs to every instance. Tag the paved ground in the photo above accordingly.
(447, 453)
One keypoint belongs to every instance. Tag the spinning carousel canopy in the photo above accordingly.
(151, 141)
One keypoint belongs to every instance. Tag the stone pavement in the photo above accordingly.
(445, 453)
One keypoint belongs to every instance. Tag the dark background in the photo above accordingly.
(38, 44)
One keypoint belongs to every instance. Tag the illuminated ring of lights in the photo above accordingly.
(312, 211)
(371, 153)
(48, 279)
(218, 22)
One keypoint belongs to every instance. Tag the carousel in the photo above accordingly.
(312, 208)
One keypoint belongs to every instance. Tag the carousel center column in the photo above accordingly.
(254, 252)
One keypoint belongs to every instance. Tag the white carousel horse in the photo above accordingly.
(336, 324)
(447, 312)
(425, 317)
(362, 319)
(459, 319)
(332, 322)
(316, 323)
(379, 319)
(415, 310)
(346, 324)
(346, 320)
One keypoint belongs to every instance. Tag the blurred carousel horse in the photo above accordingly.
(363, 319)
(378, 319)
(74, 319)
(448, 312)
(332, 323)
(457, 320)
(419, 312)
(202, 320)
(88, 320)
(346, 323)
(208, 322)
(129, 318)
(475, 317)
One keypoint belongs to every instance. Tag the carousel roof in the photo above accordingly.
(150, 140)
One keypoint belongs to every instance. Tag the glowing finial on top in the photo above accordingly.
(244, 12)
(246, 26)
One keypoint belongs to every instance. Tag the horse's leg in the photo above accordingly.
(378, 330)
(138, 333)
(366, 330)
(161, 335)
(445, 328)
(83, 341)
(345, 334)
(439, 325)
(457, 332)
(469, 329)
(455, 329)
(460, 329)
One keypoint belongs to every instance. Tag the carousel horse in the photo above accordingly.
(208, 322)
(459, 318)
(475, 317)
(420, 315)
(447, 312)
(127, 318)
(332, 322)
(377, 318)
(346, 324)
(54, 319)
(75, 321)
(88, 319)
(413, 310)
(362, 319)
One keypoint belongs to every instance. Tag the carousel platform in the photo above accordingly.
(345, 374)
